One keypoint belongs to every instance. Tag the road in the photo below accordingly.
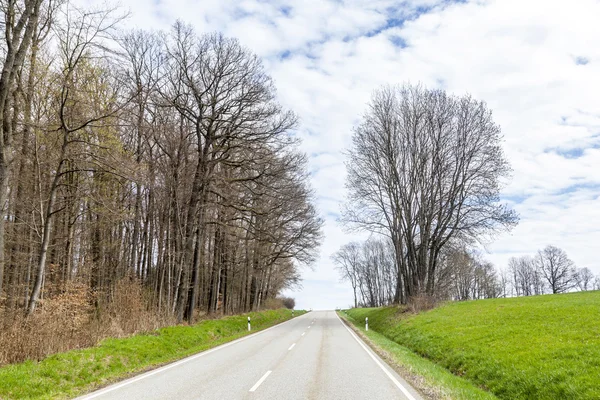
(314, 356)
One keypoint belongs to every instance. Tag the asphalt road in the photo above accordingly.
(314, 356)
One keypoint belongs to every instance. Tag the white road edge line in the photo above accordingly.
(169, 366)
(261, 380)
(398, 384)
(292, 346)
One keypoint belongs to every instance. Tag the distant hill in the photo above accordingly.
(539, 347)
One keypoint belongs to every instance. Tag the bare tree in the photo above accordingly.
(424, 169)
(505, 283)
(584, 278)
(557, 268)
(465, 275)
(370, 268)
(79, 37)
(222, 91)
(20, 19)
(527, 276)
(347, 260)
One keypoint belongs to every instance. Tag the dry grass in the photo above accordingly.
(77, 318)
(273, 304)
(417, 304)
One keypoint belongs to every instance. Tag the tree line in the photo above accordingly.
(463, 274)
(549, 271)
(161, 158)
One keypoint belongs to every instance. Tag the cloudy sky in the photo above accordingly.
(536, 64)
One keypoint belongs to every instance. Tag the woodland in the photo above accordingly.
(146, 178)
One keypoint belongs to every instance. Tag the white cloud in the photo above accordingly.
(536, 64)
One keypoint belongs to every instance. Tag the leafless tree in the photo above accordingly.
(505, 283)
(347, 260)
(527, 276)
(370, 268)
(465, 275)
(425, 168)
(584, 278)
(222, 91)
(557, 268)
(79, 37)
(19, 20)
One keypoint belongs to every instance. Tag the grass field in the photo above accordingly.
(542, 347)
(75, 372)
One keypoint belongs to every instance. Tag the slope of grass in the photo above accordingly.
(543, 347)
(427, 376)
(75, 372)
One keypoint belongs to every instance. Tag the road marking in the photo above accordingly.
(292, 346)
(166, 367)
(303, 333)
(309, 327)
(261, 380)
(398, 384)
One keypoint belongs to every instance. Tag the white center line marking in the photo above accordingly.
(309, 327)
(172, 365)
(408, 395)
(261, 380)
(292, 346)
(303, 333)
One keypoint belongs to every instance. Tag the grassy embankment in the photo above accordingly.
(431, 379)
(542, 347)
(75, 372)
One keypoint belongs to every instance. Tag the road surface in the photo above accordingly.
(314, 356)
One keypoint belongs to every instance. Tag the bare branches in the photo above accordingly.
(424, 169)
(370, 268)
(163, 157)
(556, 267)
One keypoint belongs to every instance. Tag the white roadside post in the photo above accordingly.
(367, 323)
(292, 313)
(248, 324)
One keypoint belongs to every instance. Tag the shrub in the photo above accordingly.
(77, 318)
(289, 302)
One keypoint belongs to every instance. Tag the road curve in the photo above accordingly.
(314, 356)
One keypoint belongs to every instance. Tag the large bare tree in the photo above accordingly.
(426, 168)
(557, 268)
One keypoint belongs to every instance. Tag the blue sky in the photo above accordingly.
(536, 63)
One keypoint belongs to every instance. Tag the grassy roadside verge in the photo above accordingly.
(535, 347)
(73, 373)
(431, 379)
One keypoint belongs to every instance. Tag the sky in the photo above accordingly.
(535, 63)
